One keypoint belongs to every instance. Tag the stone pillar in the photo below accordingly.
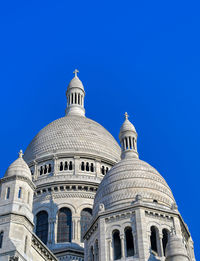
(160, 245)
(135, 242)
(142, 241)
(109, 249)
(102, 240)
(76, 165)
(35, 170)
(97, 167)
(55, 165)
(75, 236)
(122, 245)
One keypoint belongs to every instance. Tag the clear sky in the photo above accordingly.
(142, 57)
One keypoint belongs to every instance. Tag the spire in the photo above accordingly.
(128, 139)
(75, 97)
(20, 154)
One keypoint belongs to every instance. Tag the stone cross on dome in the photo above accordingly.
(75, 72)
(126, 115)
(20, 154)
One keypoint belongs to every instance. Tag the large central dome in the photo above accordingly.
(74, 135)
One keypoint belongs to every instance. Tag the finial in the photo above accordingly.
(20, 154)
(126, 115)
(75, 72)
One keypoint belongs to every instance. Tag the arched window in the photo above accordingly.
(106, 169)
(103, 170)
(130, 143)
(153, 239)
(70, 165)
(45, 169)
(41, 170)
(66, 165)
(75, 98)
(61, 166)
(49, 169)
(20, 192)
(42, 226)
(91, 253)
(165, 233)
(96, 251)
(1, 239)
(129, 242)
(79, 98)
(72, 100)
(117, 245)
(86, 215)
(64, 232)
(92, 167)
(82, 166)
(8, 193)
(87, 166)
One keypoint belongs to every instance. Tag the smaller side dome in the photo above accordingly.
(176, 249)
(18, 167)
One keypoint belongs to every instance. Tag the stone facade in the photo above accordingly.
(73, 166)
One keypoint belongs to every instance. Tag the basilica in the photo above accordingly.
(76, 195)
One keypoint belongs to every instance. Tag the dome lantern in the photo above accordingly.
(75, 97)
(128, 139)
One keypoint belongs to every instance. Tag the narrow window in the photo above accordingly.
(1, 239)
(82, 166)
(28, 199)
(72, 99)
(92, 167)
(75, 98)
(42, 226)
(45, 169)
(106, 169)
(92, 253)
(66, 165)
(117, 245)
(96, 250)
(126, 142)
(70, 165)
(103, 170)
(49, 170)
(133, 143)
(153, 239)
(8, 193)
(87, 166)
(41, 170)
(165, 233)
(86, 216)
(20, 192)
(79, 98)
(25, 245)
(64, 232)
(61, 166)
(130, 143)
(129, 242)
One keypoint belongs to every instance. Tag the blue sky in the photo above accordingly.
(142, 57)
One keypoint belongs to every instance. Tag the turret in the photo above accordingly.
(75, 97)
(16, 218)
(128, 139)
(175, 250)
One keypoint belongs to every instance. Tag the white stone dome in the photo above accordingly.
(75, 83)
(126, 180)
(18, 167)
(73, 135)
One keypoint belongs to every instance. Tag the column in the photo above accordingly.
(35, 170)
(97, 167)
(135, 241)
(122, 245)
(109, 245)
(160, 245)
(55, 169)
(76, 165)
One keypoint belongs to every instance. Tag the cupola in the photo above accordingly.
(75, 97)
(128, 139)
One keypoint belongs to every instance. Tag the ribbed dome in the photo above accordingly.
(127, 126)
(75, 83)
(74, 135)
(128, 178)
(18, 167)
